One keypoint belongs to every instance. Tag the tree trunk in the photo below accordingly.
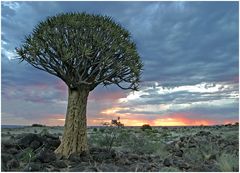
(75, 129)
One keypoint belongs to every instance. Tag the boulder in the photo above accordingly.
(166, 162)
(133, 157)
(27, 139)
(10, 143)
(13, 163)
(102, 156)
(179, 153)
(52, 143)
(46, 156)
(6, 157)
(75, 157)
(12, 151)
(181, 164)
(35, 144)
(32, 167)
(60, 164)
(203, 133)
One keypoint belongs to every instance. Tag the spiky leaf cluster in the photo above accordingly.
(83, 50)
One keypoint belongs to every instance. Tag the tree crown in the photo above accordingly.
(83, 50)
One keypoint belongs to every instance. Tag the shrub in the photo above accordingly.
(38, 125)
(146, 126)
(109, 138)
(95, 129)
(228, 163)
(141, 144)
(102, 130)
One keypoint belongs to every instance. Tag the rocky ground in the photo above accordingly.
(159, 150)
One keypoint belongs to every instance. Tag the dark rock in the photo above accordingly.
(3, 166)
(78, 168)
(103, 156)
(125, 161)
(60, 164)
(52, 143)
(31, 167)
(167, 162)
(181, 144)
(12, 151)
(183, 138)
(75, 157)
(26, 140)
(205, 168)
(46, 156)
(181, 164)
(6, 157)
(192, 140)
(13, 163)
(179, 153)
(192, 146)
(35, 144)
(203, 133)
(133, 157)
(60, 156)
(8, 144)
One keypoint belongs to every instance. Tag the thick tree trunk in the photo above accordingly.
(75, 129)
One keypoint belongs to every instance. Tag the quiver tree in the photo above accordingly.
(84, 51)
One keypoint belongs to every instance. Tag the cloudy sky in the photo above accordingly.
(190, 55)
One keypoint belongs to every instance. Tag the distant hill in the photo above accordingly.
(12, 126)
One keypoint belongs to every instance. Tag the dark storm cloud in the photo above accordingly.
(181, 43)
(181, 40)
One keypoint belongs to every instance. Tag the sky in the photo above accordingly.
(190, 55)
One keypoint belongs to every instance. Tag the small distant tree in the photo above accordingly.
(84, 51)
(117, 123)
(146, 126)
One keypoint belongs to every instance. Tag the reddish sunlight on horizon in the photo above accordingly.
(171, 120)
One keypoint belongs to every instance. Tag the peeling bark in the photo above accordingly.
(75, 129)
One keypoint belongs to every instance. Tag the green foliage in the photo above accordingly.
(102, 130)
(228, 163)
(38, 125)
(95, 129)
(146, 126)
(106, 139)
(27, 155)
(141, 144)
(83, 49)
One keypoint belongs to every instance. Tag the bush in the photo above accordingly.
(95, 129)
(102, 130)
(146, 126)
(106, 139)
(141, 144)
(228, 163)
(38, 125)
